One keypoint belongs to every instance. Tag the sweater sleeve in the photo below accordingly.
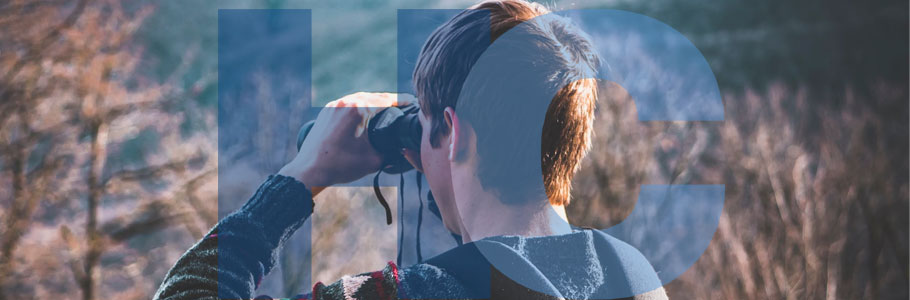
(230, 261)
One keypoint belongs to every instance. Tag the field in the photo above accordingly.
(115, 156)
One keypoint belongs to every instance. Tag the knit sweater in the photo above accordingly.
(231, 260)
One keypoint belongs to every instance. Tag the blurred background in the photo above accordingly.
(109, 145)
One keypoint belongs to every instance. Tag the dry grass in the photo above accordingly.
(816, 190)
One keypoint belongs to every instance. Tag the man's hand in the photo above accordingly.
(337, 149)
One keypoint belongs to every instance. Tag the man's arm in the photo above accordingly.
(241, 249)
(245, 243)
(248, 241)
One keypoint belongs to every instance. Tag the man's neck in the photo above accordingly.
(484, 215)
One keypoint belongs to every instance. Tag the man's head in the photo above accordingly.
(445, 62)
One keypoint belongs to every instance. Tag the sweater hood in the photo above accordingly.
(583, 264)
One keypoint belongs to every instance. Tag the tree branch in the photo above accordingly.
(51, 36)
(145, 172)
(151, 217)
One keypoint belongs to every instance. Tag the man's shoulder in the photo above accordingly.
(427, 281)
(624, 262)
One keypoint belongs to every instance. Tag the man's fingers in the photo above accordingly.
(366, 105)
(336, 103)
(373, 101)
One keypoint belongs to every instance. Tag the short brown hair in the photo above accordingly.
(442, 68)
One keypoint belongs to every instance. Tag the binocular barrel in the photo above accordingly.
(389, 131)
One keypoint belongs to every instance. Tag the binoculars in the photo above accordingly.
(389, 130)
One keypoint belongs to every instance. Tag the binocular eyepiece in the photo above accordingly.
(389, 131)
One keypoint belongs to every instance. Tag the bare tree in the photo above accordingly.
(71, 92)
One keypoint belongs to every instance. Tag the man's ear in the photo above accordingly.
(455, 132)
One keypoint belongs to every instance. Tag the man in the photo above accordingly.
(517, 243)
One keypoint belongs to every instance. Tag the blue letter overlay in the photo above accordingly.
(503, 100)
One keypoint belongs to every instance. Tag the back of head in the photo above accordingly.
(560, 51)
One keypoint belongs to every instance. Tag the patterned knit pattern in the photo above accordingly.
(379, 285)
